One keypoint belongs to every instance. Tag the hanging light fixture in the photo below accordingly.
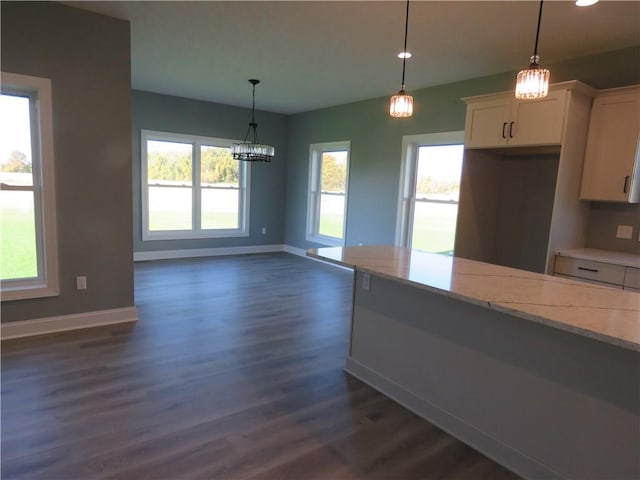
(252, 151)
(533, 81)
(402, 103)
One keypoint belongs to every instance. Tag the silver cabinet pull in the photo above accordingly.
(625, 188)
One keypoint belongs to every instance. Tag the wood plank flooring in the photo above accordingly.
(233, 371)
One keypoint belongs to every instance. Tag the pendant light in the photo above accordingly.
(252, 151)
(402, 103)
(533, 81)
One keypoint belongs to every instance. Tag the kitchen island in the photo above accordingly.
(540, 373)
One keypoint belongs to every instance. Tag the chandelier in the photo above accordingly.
(252, 151)
(533, 82)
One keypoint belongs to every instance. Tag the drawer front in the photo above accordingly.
(632, 278)
(589, 270)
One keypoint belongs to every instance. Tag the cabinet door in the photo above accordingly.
(611, 158)
(632, 279)
(487, 123)
(538, 122)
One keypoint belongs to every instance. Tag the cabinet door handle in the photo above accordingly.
(504, 125)
(592, 270)
(511, 129)
(625, 188)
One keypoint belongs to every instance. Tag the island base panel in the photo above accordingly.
(541, 401)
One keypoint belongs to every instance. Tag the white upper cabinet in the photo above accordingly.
(612, 158)
(500, 120)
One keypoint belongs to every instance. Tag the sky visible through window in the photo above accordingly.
(14, 127)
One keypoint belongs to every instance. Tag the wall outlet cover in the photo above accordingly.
(624, 231)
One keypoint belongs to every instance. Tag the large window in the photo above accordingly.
(328, 180)
(429, 191)
(192, 188)
(28, 251)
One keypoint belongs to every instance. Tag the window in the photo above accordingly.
(328, 180)
(429, 190)
(28, 249)
(192, 188)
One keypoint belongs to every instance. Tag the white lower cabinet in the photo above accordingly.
(613, 275)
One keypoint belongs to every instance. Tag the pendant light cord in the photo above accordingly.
(406, 31)
(253, 125)
(535, 47)
(253, 104)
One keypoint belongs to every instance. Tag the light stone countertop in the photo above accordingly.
(599, 312)
(604, 256)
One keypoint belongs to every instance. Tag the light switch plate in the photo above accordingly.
(624, 231)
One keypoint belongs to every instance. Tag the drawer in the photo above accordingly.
(632, 278)
(589, 270)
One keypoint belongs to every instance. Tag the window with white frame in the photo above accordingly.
(192, 188)
(28, 244)
(327, 203)
(429, 191)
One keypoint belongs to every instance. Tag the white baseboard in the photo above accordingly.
(506, 455)
(301, 252)
(205, 252)
(41, 326)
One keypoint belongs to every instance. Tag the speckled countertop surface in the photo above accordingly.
(601, 313)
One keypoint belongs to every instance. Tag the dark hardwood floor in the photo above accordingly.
(233, 371)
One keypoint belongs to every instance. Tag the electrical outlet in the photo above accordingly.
(624, 231)
(81, 283)
(264, 230)
(366, 282)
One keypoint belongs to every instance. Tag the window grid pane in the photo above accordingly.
(331, 215)
(169, 163)
(438, 172)
(18, 251)
(334, 171)
(220, 208)
(170, 208)
(434, 227)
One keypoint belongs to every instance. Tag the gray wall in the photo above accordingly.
(87, 58)
(376, 141)
(151, 111)
(603, 223)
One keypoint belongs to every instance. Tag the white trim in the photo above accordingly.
(196, 141)
(301, 252)
(314, 192)
(205, 252)
(215, 252)
(406, 189)
(47, 283)
(41, 326)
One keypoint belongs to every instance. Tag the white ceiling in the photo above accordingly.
(314, 54)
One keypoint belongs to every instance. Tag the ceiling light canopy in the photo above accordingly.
(533, 82)
(402, 103)
(252, 151)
